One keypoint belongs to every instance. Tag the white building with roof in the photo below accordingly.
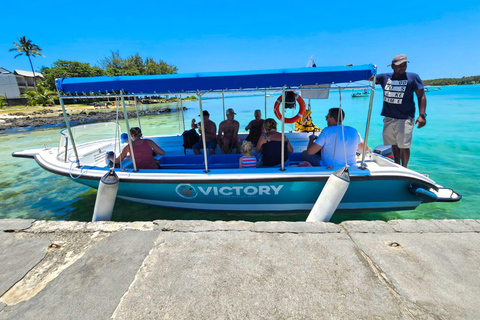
(13, 85)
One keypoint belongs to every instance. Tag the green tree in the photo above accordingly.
(134, 65)
(25, 46)
(115, 65)
(3, 101)
(40, 97)
(161, 67)
(453, 81)
(64, 68)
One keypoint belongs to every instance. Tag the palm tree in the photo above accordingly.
(25, 46)
(42, 97)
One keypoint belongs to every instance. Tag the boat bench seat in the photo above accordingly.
(215, 161)
(181, 162)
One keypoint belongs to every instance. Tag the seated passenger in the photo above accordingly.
(247, 160)
(210, 134)
(227, 137)
(331, 145)
(142, 150)
(270, 145)
(255, 127)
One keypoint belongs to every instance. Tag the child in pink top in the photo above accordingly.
(247, 160)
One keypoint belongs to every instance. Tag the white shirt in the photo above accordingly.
(327, 141)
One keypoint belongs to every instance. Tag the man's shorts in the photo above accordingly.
(313, 159)
(229, 140)
(211, 145)
(398, 132)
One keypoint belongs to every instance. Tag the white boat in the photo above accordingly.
(214, 182)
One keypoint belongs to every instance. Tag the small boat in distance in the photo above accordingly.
(360, 94)
(430, 89)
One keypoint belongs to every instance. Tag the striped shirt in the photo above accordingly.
(249, 162)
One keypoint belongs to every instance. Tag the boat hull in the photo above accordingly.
(185, 182)
(266, 195)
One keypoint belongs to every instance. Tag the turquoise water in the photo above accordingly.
(446, 149)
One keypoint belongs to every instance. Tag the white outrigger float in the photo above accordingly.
(214, 182)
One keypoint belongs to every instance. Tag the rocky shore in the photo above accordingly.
(41, 119)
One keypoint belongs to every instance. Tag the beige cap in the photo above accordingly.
(399, 59)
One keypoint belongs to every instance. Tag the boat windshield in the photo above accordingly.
(87, 134)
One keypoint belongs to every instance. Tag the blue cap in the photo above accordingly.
(124, 137)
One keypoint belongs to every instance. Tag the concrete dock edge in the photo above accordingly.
(400, 269)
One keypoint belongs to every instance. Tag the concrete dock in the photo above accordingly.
(401, 269)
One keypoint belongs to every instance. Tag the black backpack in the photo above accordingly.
(190, 137)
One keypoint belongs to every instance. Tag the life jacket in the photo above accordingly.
(305, 124)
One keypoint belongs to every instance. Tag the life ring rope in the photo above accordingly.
(301, 111)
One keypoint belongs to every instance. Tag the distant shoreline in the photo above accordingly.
(14, 121)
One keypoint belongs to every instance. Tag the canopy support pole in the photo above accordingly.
(204, 140)
(183, 116)
(128, 130)
(223, 104)
(138, 116)
(363, 165)
(67, 122)
(265, 104)
(283, 131)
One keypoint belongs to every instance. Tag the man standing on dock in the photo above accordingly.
(399, 107)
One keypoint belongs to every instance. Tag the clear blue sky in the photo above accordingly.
(440, 38)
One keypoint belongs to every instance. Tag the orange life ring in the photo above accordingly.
(278, 114)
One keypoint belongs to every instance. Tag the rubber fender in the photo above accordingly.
(106, 195)
(425, 195)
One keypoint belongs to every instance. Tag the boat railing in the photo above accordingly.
(89, 139)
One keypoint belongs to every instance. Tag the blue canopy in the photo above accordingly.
(218, 81)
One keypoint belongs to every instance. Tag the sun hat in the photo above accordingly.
(399, 59)
(124, 137)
